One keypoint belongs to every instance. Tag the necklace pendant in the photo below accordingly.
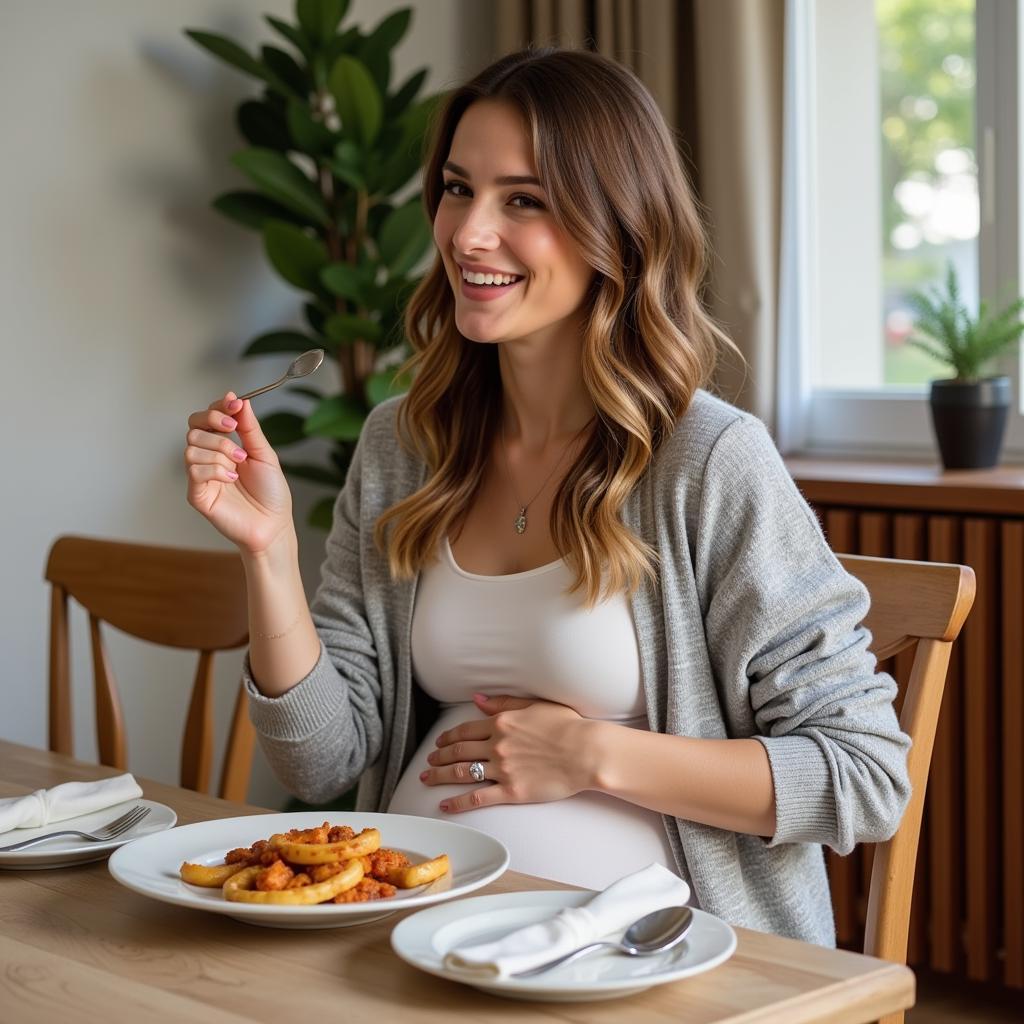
(520, 522)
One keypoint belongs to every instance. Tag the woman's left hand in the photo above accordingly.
(533, 751)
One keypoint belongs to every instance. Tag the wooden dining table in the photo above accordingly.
(77, 946)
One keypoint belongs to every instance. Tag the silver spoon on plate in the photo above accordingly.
(652, 933)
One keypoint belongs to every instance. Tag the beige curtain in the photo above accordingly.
(653, 37)
(739, 85)
(715, 68)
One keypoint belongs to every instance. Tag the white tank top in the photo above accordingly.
(522, 634)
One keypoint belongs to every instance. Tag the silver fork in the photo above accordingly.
(111, 830)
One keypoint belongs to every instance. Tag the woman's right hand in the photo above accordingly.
(240, 488)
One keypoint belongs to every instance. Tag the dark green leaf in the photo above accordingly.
(345, 173)
(399, 168)
(407, 155)
(404, 238)
(321, 516)
(316, 474)
(283, 428)
(339, 416)
(236, 56)
(391, 30)
(357, 98)
(379, 213)
(275, 100)
(294, 35)
(346, 328)
(315, 316)
(343, 279)
(253, 210)
(294, 255)
(306, 392)
(274, 342)
(384, 385)
(348, 153)
(262, 125)
(320, 18)
(227, 51)
(309, 136)
(397, 103)
(283, 181)
(375, 50)
(284, 66)
(348, 163)
(348, 41)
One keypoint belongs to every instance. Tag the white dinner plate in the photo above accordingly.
(151, 865)
(425, 938)
(68, 850)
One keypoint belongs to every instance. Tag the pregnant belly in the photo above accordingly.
(590, 839)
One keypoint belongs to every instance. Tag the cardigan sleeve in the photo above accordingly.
(783, 626)
(322, 734)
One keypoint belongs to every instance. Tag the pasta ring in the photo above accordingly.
(239, 887)
(368, 841)
(418, 874)
(210, 876)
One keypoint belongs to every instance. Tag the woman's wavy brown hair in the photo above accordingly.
(615, 185)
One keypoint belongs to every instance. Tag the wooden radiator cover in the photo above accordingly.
(968, 906)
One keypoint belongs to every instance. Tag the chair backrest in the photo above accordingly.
(924, 603)
(170, 596)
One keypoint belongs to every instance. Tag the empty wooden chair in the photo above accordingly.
(922, 603)
(169, 596)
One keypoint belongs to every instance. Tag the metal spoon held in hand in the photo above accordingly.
(301, 367)
(653, 933)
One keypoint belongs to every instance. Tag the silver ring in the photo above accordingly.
(476, 771)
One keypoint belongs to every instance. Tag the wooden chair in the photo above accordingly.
(169, 596)
(922, 603)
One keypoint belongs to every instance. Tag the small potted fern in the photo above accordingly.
(968, 410)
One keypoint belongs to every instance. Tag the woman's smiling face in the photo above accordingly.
(506, 226)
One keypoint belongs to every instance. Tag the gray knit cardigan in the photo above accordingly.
(752, 631)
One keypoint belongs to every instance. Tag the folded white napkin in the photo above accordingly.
(609, 912)
(68, 800)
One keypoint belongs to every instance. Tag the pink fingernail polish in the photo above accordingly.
(238, 454)
(233, 476)
(444, 807)
(423, 776)
(228, 423)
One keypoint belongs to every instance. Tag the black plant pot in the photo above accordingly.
(969, 418)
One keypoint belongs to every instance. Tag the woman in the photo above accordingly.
(640, 645)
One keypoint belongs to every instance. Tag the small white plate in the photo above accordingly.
(425, 938)
(68, 850)
(151, 865)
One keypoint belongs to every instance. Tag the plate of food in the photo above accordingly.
(69, 850)
(296, 870)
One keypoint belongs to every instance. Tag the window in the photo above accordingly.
(902, 155)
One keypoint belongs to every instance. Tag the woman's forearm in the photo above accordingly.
(723, 783)
(283, 642)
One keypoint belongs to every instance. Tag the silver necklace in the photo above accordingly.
(520, 520)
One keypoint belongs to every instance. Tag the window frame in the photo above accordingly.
(894, 422)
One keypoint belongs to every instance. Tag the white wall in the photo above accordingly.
(125, 302)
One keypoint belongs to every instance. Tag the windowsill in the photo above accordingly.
(921, 484)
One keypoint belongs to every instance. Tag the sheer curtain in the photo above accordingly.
(715, 68)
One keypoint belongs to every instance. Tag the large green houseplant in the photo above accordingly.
(968, 410)
(331, 144)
